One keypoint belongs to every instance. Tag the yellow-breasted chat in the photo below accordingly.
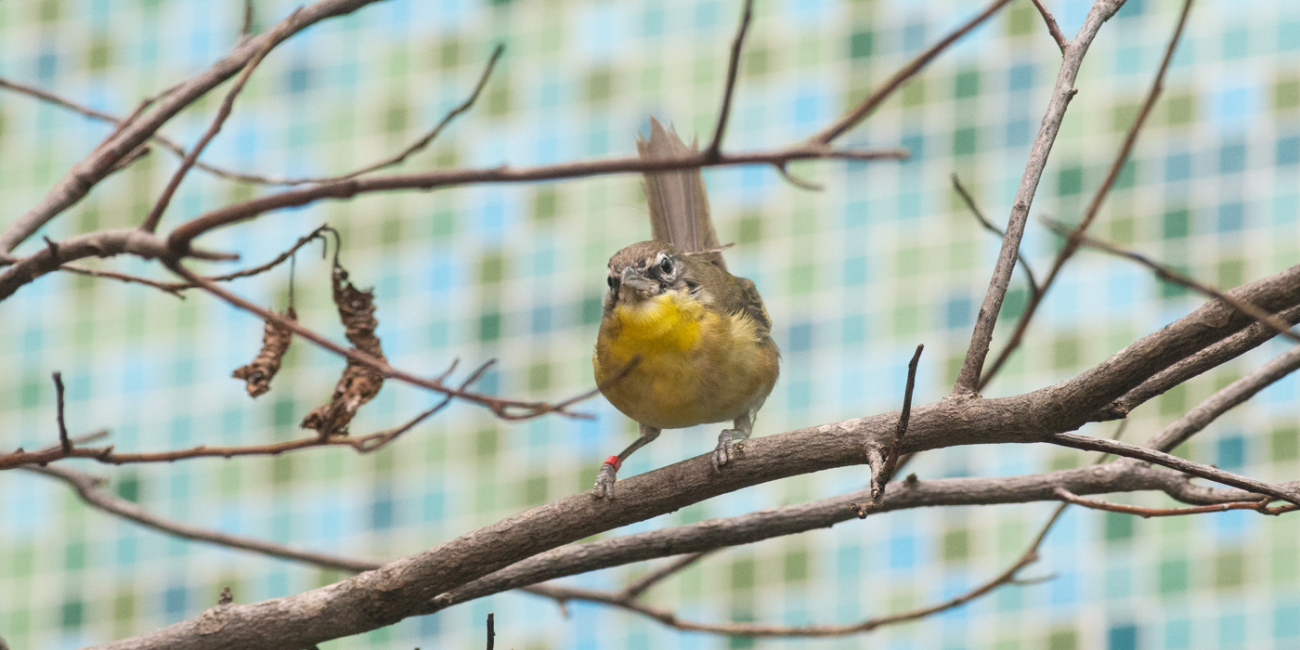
(682, 341)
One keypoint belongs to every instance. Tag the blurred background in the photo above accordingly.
(855, 276)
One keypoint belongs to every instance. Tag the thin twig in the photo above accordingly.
(1166, 273)
(968, 379)
(64, 443)
(1193, 421)
(876, 98)
(177, 288)
(1094, 206)
(491, 631)
(883, 465)
(91, 490)
(733, 67)
(505, 409)
(1052, 27)
(425, 139)
(246, 27)
(1199, 470)
(989, 226)
(637, 587)
(1260, 506)
(431, 180)
(227, 105)
(1010, 576)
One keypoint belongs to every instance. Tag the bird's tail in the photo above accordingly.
(679, 204)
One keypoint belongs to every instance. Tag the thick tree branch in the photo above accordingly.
(968, 379)
(1207, 359)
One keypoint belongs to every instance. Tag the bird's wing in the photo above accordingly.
(679, 205)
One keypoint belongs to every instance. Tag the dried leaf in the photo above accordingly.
(359, 384)
(275, 342)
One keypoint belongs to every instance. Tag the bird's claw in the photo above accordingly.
(605, 482)
(725, 451)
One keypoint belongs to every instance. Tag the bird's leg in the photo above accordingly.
(609, 470)
(724, 453)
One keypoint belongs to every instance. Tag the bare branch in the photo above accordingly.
(104, 243)
(638, 587)
(733, 67)
(64, 444)
(140, 127)
(186, 232)
(1166, 273)
(1180, 430)
(246, 28)
(1094, 206)
(91, 490)
(969, 378)
(227, 104)
(884, 464)
(988, 225)
(1052, 27)
(1174, 462)
(424, 140)
(169, 287)
(1260, 506)
(875, 99)
(503, 408)
(1211, 357)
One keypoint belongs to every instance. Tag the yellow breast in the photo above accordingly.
(695, 365)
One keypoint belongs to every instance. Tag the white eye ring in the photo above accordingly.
(665, 264)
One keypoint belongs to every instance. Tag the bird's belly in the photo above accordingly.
(685, 378)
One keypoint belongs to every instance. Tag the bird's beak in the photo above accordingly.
(637, 282)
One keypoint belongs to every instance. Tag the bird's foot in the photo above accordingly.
(605, 479)
(726, 450)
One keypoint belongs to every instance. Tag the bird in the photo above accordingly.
(682, 341)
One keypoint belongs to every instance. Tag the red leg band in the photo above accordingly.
(613, 460)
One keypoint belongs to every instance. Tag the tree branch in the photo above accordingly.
(1052, 27)
(1094, 206)
(1174, 462)
(714, 149)
(988, 225)
(1260, 506)
(140, 127)
(223, 112)
(1165, 273)
(181, 237)
(878, 97)
(969, 378)
(1193, 421)
(1211, 357)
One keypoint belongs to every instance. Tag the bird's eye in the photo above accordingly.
(613, 282)
(666, 266)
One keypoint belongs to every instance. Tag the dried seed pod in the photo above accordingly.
(359, 383)
(275, 342)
